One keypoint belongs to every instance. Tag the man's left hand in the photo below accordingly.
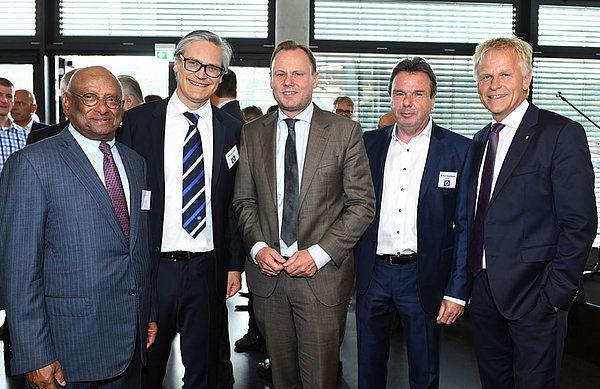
(152, 331)
(234, 283)
(301, 264)
(449, 312)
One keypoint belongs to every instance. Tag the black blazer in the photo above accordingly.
(143, 130)
(233, 108)
(541, 219)
(45, 132)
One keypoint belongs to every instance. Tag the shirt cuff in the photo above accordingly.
(455, 300)
(318, 255)
(256, 248)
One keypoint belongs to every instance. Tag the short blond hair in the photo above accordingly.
(522, 48)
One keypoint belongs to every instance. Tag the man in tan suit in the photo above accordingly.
(303, 197)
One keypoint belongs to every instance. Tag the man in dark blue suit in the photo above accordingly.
(200, 255)
(413, 257)
(23, 111)
(74, 248)
(532, 220)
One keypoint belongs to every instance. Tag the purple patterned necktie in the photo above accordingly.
(115, 188)
(485, 188)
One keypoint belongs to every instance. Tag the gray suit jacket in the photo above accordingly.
(337, 201)
(75, 290)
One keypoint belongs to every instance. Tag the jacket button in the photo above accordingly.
(276, 244)
(131, 292)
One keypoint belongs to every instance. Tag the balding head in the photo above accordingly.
(24, 108)
(94, 103)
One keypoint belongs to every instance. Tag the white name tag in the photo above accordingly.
(232, 156)
(447, 180)
(146, 200)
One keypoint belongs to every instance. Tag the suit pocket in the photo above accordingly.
(68, 306)
(538, 254)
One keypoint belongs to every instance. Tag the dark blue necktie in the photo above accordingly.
(485, 188)
(194, 201)
(291, 194)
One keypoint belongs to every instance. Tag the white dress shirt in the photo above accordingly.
(505, 138)
(174, 237)
(91, 149)
(302, 128)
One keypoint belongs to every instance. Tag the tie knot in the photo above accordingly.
(291, 123)
(192, 117)
(497, 127)
(105, 148)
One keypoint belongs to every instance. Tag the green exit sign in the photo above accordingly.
(164, 51)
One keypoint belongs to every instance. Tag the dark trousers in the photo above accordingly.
(131, 378)
(394, 288)
(188, 304)
(525, 353)
(225, 374)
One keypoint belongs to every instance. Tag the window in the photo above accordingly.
(411, 21)
(20, 75)
(159, 18)
(569, 26)
(18, 17)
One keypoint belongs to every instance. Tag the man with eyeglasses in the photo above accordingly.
(191, 145)
(74, 251)
(343, 105)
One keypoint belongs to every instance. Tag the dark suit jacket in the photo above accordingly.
(541, 219)
(38, 126)
(233, 108)
(46, 132)
(144, 130)
(336, 200)
(75, 289)
(441, 217)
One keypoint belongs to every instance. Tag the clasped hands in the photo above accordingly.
(271, 263)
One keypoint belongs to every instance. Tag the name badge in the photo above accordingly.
(232, 156)
(447, 180)
(146, 200)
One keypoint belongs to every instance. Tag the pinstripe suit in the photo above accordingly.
(76, 291)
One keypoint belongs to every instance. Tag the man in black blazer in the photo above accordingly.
(24, 109)
(225, 96)
(201, 258)
(532, 215)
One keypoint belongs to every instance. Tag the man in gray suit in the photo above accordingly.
(74, 248)
(303, 197)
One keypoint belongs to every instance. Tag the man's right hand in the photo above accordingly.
(44, 378)
(270, 262)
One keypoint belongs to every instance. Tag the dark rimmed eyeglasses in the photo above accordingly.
(192, 65)
(91, 99)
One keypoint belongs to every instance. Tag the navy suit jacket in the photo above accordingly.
(541, 219)
(233, 108)
(144, 130)
(441, 217)
(46, 132)
(76, 291)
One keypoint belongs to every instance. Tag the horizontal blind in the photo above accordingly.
(569, 26)
(411, 21)
(580, 87)
(163, 18)
(18, 17)
(364, 78)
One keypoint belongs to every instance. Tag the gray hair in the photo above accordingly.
(131, 87)
(208, 36)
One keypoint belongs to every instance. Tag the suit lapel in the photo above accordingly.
(81, 167)
(135, 195)
(517, 148)
(218, 143)
(430, 173)
(317, 139)
(381, 154)
(157, 137)
(268, 141)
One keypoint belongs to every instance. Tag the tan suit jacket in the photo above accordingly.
(337, 201)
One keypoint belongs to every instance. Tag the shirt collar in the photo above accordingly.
(514, 118)
(304, 116)
(426, 133)
(221, 104)
(88, 143)
(176, 107)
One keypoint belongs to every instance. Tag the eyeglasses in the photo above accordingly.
(343, 112)
(191, 65)
(91, 99)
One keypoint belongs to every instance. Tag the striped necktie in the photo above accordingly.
(194, 201)
(114, 187)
